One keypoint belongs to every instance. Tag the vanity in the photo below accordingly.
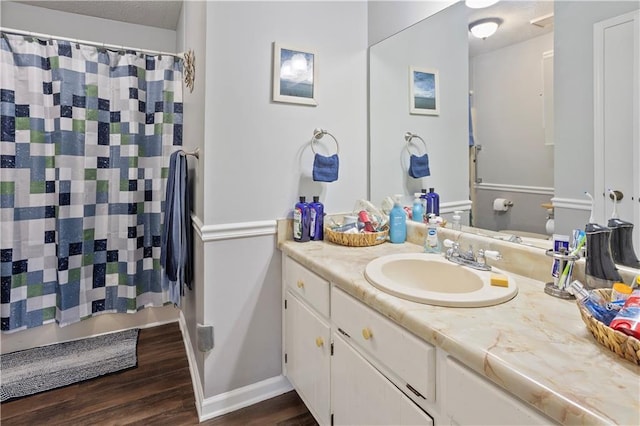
(358, 355)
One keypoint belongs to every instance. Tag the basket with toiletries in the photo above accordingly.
(615, 324)
(365, 227)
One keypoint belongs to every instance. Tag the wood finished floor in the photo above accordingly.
(157, 392)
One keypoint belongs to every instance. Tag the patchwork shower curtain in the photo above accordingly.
(86, 136)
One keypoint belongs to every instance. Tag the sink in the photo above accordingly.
(431, 279)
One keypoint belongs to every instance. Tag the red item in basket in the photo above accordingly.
(627, 320)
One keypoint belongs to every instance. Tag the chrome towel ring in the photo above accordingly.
(318, 134)
(408, 137)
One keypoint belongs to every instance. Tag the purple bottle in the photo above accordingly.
(316, 213)
(433, 202)
(301, 221)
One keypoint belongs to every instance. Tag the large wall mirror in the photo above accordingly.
(529, 93)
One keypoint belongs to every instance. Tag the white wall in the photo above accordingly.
(390, 17)
(257, 161)
(37, 19)
(573, 103)
(258, 156)
(507, 101)
(439, 42)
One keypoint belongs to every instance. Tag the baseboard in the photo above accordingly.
(198, 393)
(233, 400)
(243, 397)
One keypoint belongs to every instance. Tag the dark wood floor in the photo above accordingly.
(157, 392)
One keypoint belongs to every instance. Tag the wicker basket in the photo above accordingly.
(363, 239)
(628, 347)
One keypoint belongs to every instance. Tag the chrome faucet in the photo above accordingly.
(468, 258)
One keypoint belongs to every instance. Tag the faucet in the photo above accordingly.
(469, 258)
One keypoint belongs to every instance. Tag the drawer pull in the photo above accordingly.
(300, 284)
(366, 333)
(319, 341)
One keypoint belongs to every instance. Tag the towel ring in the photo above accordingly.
(410, 136)
(318, 134)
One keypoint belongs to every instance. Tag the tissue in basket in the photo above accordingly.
(628, 347)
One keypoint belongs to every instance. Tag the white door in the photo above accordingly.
(616, 118)
(362, 396)
(308, 357)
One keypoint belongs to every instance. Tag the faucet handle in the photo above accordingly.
(493, 254)
(450, 243)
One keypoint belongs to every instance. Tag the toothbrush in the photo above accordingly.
(565, 272)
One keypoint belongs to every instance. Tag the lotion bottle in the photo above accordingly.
(301, 221)
(316, 213)
(397, 222)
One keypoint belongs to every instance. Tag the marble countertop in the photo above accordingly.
(535, 346)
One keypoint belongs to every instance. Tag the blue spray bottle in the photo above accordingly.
(301, 221)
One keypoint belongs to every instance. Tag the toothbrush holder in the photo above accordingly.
(566, 262)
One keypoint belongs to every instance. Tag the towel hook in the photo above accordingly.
(318, 134)
(408, 136)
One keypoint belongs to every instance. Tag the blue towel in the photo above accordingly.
(175, 254)
(419, 166)
(325, 169)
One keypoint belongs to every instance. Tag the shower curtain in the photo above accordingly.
(86, 136)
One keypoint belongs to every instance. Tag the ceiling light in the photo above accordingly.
(484, 28)
(479, 4)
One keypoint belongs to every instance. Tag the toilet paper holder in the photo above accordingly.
(502, 204)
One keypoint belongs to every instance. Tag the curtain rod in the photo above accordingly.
(90, 43)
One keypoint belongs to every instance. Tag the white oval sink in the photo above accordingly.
(431, 279)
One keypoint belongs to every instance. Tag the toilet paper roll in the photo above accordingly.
(501, 204)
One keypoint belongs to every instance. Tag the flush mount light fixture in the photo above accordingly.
(479, 4)
(484, 28)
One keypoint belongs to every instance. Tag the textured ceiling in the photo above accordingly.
(153, 13)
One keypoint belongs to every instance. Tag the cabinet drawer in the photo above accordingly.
(307, 285)
(410, 358)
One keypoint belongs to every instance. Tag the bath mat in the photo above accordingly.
(48, 367)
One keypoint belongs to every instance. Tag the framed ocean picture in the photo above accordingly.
(295, 75)
(424, 97)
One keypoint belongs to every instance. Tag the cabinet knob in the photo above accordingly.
(366, 333)
(319, 341)
(300, 284)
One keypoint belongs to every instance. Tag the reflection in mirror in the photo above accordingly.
(523, 122)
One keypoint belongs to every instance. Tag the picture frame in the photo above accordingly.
(424, 91)
(295, 75)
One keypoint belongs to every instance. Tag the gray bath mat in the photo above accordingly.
(48, 367)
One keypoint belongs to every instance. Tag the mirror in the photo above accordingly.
(517, 161)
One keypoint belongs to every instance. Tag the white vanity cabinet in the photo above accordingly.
(353, 366)
(307, 337)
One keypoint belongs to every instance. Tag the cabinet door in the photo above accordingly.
(362, 396)
(307, 356)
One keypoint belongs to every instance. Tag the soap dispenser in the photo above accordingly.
(621, 238)
(600, 270)
(431, 242)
